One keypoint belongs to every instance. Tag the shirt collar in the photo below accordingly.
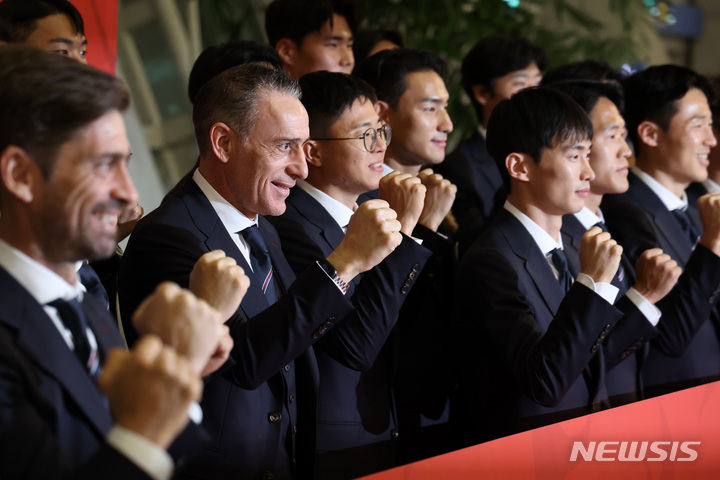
(669, 199)
(42, 283)
(544, 241)
(711, 185)
(588, 218)
(233, 220)
(387, 169)
(339, 212)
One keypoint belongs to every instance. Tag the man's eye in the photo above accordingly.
(62, 52)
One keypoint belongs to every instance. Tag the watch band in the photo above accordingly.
(332, 273)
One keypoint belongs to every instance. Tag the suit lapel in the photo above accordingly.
(535, 263)
(217, 238)
(309, 208)
(50, 352)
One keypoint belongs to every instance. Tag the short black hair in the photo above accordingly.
(47, 99)
(598, 70)
(294, 19)
(218, 58)
(586, 93)
(24, 14)
(365, 41)
(326, 95)
(652, 94)
(386, 71)
(531, 120)
(493, 57)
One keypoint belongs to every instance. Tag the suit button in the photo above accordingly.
(415, 267)
(404, 289)
(327, 325)
(287, 368)
(316, 334)
(607, 328)
(330, 320)
(412, 274)
(594, 348)
(294, 429)
(291, 398)
(274, 417)
(394, 434)
(408, 282)
(267, 476)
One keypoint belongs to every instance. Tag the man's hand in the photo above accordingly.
(406, 195)
(127, 220)
(599, 255)
(150, 389)
(372, 234)
(657, 274)
(439, 199)
(184, 322)
(709, 209)
(220, 281)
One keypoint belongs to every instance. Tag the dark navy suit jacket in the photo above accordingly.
(53, 418)
(639, 220)
(261, 409)
(529, 354)
(355, 408)
(480, 189)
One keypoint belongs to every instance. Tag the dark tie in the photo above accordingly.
(686, 223)
(73, 318)
(260, 260)
(561, 265)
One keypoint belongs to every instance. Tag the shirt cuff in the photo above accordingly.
(650, 311)
(607, 291)
(146, 455)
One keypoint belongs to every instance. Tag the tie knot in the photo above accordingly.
(255, 240)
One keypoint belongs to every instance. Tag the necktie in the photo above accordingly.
(687, 225)
(260, 260)
(73, 318)
(561, 265)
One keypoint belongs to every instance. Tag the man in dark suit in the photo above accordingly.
(250, 127)
(494, 69)
(357, 428)
(684, 309)
(530, 336)
(69, 406)
(412, 99)
(670, 124)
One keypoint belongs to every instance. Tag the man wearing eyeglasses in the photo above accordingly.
(356, 427)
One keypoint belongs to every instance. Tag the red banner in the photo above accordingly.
(100, 18)
(668, 437)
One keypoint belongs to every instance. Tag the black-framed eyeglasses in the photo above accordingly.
(369, 138)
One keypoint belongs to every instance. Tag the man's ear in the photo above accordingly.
(222, 140)
(312, 153)
(383, 110)
(19, 172)
(481, 94)
(516, 164)
(287, 51)
(648, 133)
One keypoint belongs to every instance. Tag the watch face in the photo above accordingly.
(330, 269)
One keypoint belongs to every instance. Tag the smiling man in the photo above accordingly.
(251, 127)
(530, 336)
(356, 427)
(313, 35)
(52, 25)
(670, 123)
(494, 69)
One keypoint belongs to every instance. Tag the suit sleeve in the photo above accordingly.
(491, 304)
(356, 341)
(264, 343)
